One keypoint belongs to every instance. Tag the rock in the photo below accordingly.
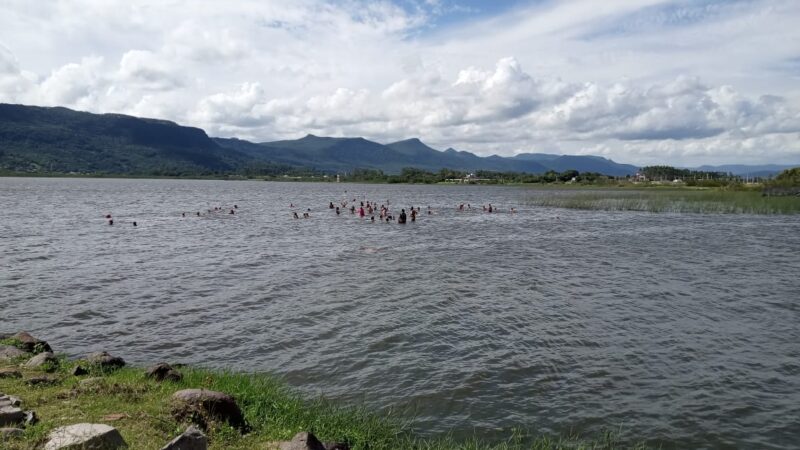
(10, 433)
(105, 360)
(11, 352)
(10, 373)
(202, 406)
(42, 381)
(303, 441)
(8, 400)
(84, 436)
(163, 371)
(191, 439)
(11, 415)
(79, 371)
(31, 344)
(306, 441)
(30, 418)
(46, 360)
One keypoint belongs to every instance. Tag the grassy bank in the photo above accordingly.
(681, 200)
(140, 409)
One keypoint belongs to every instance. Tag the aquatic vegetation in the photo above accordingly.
(711, 201)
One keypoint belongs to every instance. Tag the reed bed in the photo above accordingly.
(669, 201)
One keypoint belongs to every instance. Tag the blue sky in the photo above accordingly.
(650, 81)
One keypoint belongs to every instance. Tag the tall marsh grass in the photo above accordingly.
(669, 201)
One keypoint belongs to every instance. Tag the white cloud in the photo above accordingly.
(80, 84)
(655, 81)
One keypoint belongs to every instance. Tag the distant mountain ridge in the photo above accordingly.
(55, 139)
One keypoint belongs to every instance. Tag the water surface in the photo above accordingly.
(681, 330)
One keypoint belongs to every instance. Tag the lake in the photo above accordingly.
(678, 329)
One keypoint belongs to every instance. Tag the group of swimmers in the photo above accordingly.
(369, 208)
(111, 220)
(216, 210)
(364, 209)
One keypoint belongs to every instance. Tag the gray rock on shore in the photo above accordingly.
(191, 439)
(306, 441)
(11, 352)
(11, 415)
(41, 360)
(9, 400)
(6, 434)
(202, 407)
(105, 360)
(10, 373)
(31, 344)
(163, 371)
(83, 436)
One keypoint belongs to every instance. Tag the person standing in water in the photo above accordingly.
(361, 212)
(402, 217)
(413, 215)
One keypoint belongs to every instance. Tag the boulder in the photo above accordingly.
(105, 360)
(31, 344)
(11, 415)
(10, 433)
(30, 418)
(202, 407)
(306, 441)
(84, 436)
(163, 371)
(191, 439)
(79, 371)
(8, 400)
(302, 441)
(46, 360)
(11, 352)
(10, 373)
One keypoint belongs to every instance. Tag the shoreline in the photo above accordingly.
(145, 410)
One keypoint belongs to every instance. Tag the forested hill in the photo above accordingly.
(37, 139)
(59, 140)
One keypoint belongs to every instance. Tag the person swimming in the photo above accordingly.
(108, 216)
(330, 205)
(111, 221)
(294, 213)
(231, 212)
(337, 210)
(372, 219)
(134, 223)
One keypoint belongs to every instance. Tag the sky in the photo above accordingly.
(680, 82)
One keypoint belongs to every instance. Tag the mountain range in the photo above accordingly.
(56, 139)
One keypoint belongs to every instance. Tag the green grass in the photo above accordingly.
(686, 200)
(273, 410)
